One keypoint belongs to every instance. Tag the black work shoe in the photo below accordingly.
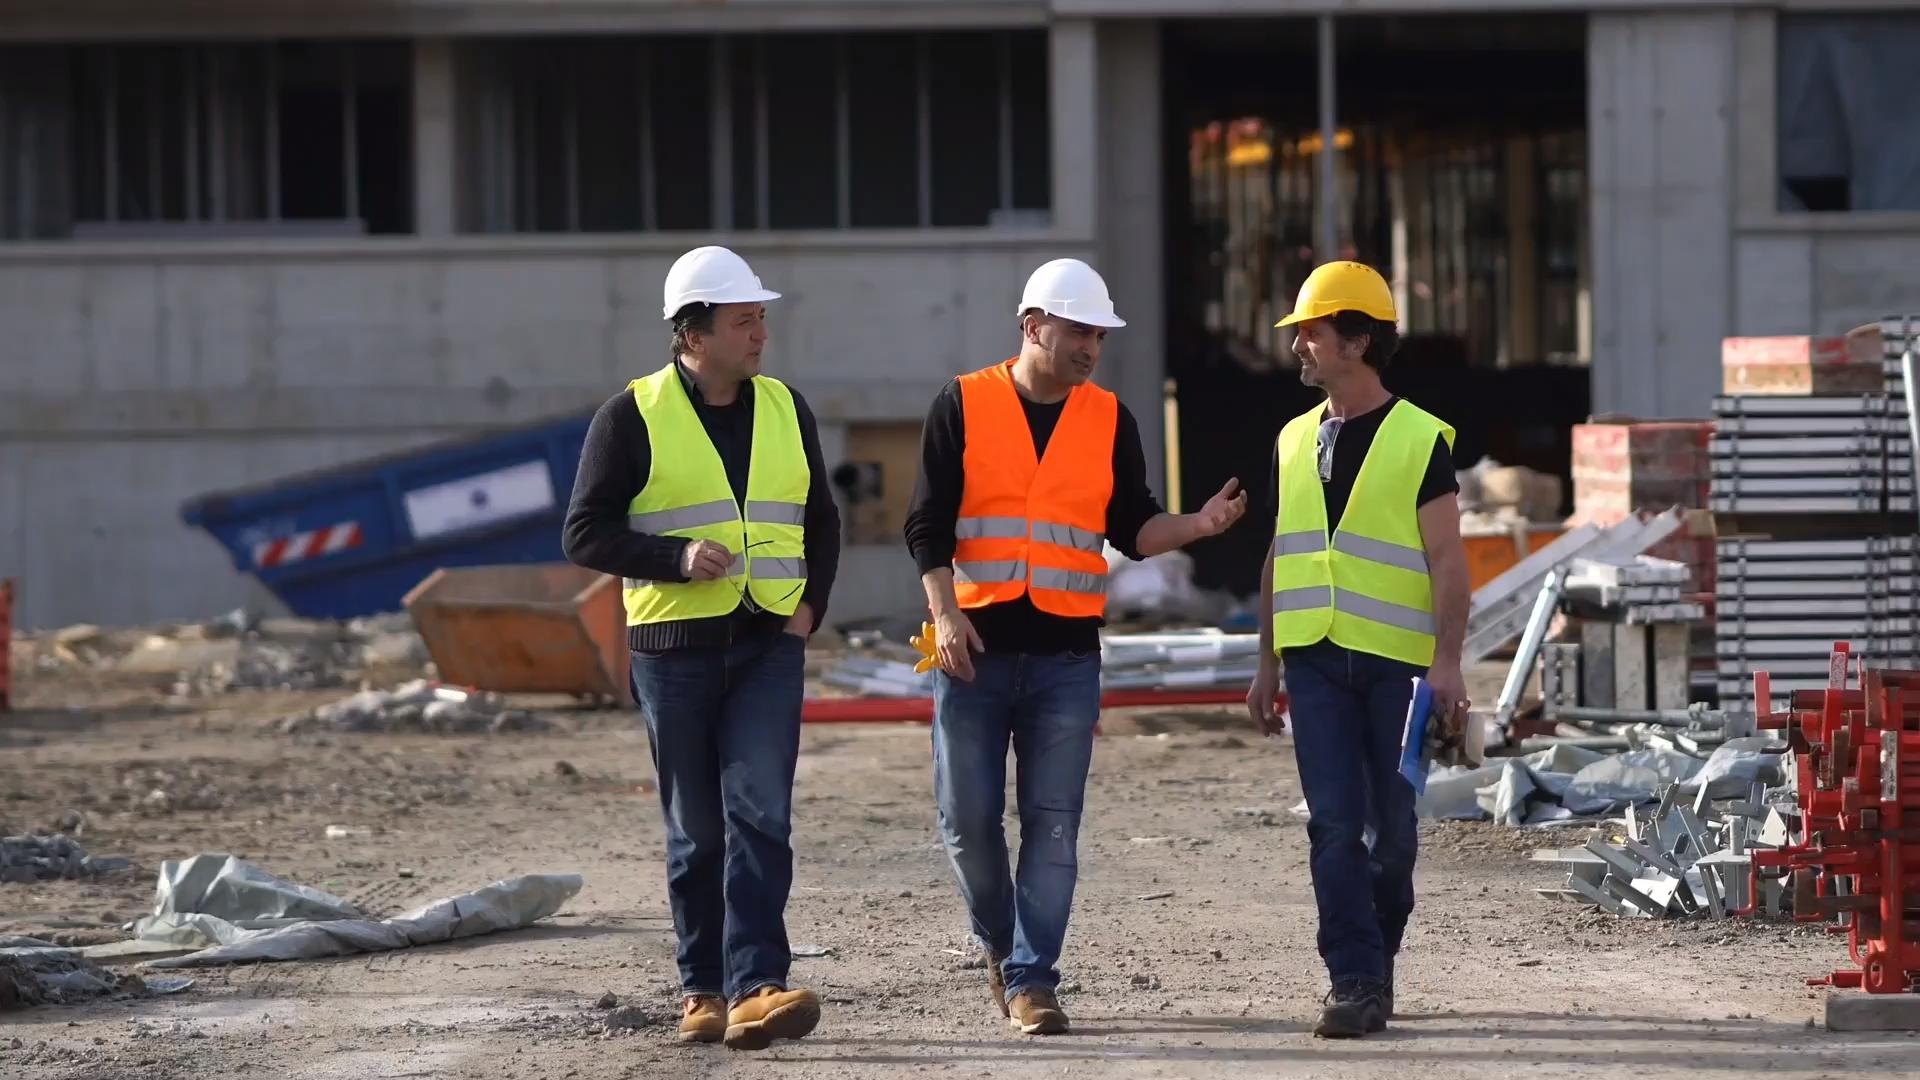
(1386, 993)
(1353, 1008)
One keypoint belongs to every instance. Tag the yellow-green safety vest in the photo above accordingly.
(687, 494)
(1365, 587)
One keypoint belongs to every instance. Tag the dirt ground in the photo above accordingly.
(1220, 978)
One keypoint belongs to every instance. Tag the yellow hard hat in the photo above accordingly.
(1342, 286)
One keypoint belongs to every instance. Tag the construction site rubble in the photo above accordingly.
(1690, 854)
(1565, 782)
(51, 858)
(59, 977)
(239, 652)
(418, 707)
(1491, 492)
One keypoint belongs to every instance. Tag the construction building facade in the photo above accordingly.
(245, 239)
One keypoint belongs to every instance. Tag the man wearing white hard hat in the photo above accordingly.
(1028, 470)
(702, 486)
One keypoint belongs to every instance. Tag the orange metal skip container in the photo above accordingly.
(535, 628)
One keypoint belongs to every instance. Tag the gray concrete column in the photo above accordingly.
(1661, 92)
(433, 137)
(1074, 74)
(1131, 252)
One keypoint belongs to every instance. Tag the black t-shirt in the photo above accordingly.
(1349, 452)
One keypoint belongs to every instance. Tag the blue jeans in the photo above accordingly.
(1046, 706)
(1348, 710)
(724, 725)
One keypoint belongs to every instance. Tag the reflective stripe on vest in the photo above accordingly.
(1033, 525)
(1367, 588)
(694, 499)
(984, 572)
(658, 522)
(1353, 603)
(1045, 532)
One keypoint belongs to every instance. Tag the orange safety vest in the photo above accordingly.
(1032, 524)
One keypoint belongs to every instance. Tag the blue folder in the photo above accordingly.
(1413, 737)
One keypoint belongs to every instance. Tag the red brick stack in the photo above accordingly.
(1622, 465)
(1805, 366)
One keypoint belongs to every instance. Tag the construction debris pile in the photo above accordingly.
(419, 707)
(51, 858)
(30, 977)
(239, 652)
(1494, 497)
(1686, 856)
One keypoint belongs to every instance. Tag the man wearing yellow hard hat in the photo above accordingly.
(1367, 587)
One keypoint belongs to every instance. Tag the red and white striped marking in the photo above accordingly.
(307, 545)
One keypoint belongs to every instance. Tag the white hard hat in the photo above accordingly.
(711, 275)
(1069, 289)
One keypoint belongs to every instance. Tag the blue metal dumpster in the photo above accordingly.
(351, 540)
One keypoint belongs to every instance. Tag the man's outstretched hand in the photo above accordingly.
(1222, 510)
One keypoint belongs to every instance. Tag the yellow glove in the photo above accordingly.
(929, 651)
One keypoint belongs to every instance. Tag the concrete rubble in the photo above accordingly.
(418, 707)
(51, 858)
(240, 652)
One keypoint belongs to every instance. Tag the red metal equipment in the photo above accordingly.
(1857, 855)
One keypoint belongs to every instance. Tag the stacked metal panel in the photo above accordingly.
(1811, 455)
(1783, 603)
(1790, 468)
(1897, 334)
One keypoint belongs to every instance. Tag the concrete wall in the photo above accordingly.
(133, 379)
(1660, 134)
(1689, 245)
(1132, 231)
(1805, 273)
(31, 20)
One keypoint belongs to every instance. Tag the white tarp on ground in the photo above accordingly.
(247, 914)
(218, 899)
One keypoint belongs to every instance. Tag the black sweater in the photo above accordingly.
(1017, 626)
(614, 466)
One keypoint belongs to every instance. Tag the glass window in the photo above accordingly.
(192, 140)
(1849, 92)
(813, 130)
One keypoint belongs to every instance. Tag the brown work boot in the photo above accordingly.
(997, 982)
(771, 1013)
(703, 1018)
(1037, 1012)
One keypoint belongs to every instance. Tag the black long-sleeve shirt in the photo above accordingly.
(1017, 626)
(614, 465)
